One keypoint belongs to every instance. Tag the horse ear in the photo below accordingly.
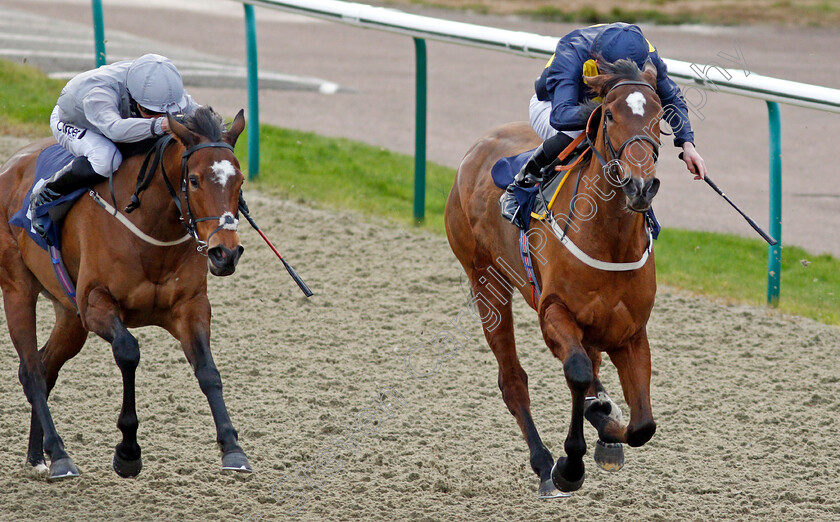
(649, 73)
(596, 83)
(187, 137)
(236, 128)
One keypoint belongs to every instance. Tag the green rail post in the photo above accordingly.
(774, 263)
(253, 94)
(98, 32)
(420, 133)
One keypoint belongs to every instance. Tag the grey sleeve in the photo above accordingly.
(101, 108)
(191, 105)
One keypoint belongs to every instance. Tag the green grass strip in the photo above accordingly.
(27, 97)
(345, 174)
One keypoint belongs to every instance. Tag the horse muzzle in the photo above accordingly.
(639, 193)
(222, 260)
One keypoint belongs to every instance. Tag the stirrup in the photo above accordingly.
(38, 228)
(509, 208)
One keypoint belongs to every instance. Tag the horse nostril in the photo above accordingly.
(651, 188)
(237, 253)
(218, 255)
(632, 187)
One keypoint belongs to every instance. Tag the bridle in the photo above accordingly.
(227, 221)
(616, 155)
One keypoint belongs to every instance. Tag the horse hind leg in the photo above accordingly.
(20, 293)
(103, 318)
(494, 306)
(66, 340)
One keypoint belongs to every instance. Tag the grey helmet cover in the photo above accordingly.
(155, 84)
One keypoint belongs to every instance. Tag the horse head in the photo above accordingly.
(630, 115)
(210, 184)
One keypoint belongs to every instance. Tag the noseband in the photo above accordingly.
(616, 155)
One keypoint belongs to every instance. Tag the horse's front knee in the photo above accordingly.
(126, 352)
(578, 371)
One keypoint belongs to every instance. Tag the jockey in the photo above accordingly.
(123, 102)
(556, 111)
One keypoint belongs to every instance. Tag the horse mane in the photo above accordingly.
(618, 71)
(205, 122)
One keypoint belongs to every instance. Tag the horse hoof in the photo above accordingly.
(548, 490)
(63, 469)
(126, 468)
(236, 462)
(609, 455)
(560, 482)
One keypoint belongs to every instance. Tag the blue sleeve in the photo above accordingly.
(563, 82)
(673, 103)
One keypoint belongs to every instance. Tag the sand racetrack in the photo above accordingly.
(338, 426)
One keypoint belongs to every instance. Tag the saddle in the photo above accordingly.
(50, 161)
(532, 200)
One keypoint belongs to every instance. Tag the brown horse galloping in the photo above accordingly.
(123, 282)
(594, 302)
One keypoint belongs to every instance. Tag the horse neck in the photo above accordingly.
(158, 213)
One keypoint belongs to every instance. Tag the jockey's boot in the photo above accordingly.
(527, 177)
(75, 175)
(531, 174)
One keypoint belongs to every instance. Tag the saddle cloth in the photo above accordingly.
(51, 160)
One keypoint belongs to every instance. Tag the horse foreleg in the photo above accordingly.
(102, 315)
(513, 381)
(66, 340)
(633, 365)
(563, 338)
(192, 327)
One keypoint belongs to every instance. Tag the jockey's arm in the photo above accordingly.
(564, 81)
(676, 114)
(101, 108)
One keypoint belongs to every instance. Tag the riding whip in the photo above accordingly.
(243, 207)
(752, 223)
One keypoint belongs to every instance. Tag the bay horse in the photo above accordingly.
(122, 281)
(583, 310)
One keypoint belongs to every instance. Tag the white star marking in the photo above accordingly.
(223, 171)
(637, 102)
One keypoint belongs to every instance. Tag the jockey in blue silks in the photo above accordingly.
(558, 115)
(123, 102)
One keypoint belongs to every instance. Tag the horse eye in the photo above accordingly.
(194, 181)
(609, 115)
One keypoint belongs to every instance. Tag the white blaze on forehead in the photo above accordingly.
(637, 102)
(223, 171)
